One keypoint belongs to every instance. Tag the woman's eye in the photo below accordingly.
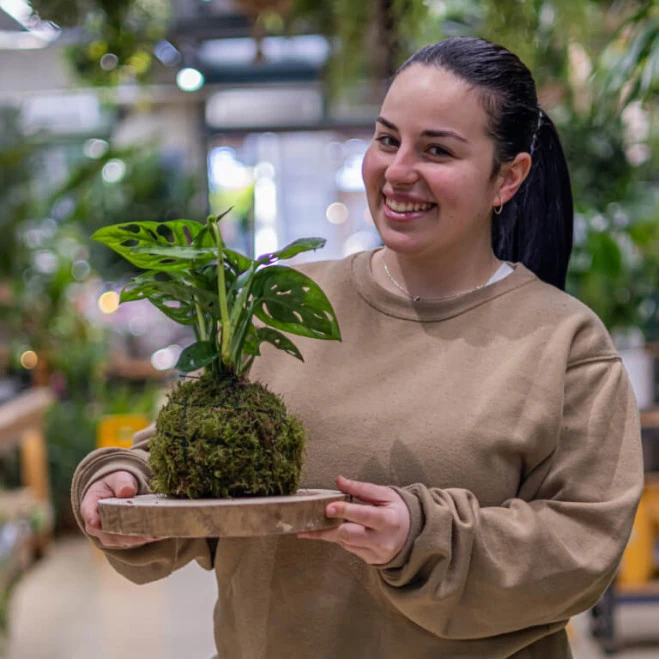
(438, 151)
(386, 140)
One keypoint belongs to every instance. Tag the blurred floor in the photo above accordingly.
(73, 606)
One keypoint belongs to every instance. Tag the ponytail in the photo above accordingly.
(536, 226)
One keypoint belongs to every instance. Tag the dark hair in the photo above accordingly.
(535, 226)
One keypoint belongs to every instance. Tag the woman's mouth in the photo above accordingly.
(405, 210)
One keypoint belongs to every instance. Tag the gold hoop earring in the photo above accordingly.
(497, 211)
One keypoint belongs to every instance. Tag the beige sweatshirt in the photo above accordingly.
(505, 420)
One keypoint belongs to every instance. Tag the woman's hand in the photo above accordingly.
(121, 484)
(375, 530)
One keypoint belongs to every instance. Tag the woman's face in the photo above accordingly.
(428, 170)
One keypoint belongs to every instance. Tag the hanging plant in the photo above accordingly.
(65, 13)
(368, 39)
(117, 36)
(222, 435)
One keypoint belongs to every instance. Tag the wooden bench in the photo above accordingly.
(22, 425)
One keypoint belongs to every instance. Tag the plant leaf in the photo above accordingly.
(124, 238)
(290, 301)
(197, 356)
(237, 261)
(278, 340)
(204, 238)
(296, 247)
(188, 253)
(169, 286)
(184, 313)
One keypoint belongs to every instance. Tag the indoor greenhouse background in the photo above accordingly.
(161, 109)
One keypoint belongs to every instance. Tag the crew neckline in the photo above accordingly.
(430, 310)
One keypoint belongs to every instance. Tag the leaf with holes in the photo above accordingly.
(173, 257)
(172, 290)
(193, 279)
(278, 340)
(125, 238)
(290, 301)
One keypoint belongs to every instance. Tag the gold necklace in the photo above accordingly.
(418, 298)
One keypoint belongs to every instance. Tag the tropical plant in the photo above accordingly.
(235, 437)
(117, 39)
(17, 170)
(151, 188)
(628, 69)
(615, 268)
(368, 39)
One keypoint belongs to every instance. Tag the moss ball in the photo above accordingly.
(225, 438)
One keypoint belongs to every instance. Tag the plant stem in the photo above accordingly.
(202, 323)
(222, 294)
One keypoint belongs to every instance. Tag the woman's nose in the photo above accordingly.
(402, 169)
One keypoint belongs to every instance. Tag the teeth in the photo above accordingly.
(400, 207)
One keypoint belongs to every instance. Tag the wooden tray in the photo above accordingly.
(160, 516)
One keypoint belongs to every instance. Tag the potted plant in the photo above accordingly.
(221, 435)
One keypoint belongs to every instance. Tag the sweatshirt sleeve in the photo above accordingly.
(471, 572)
(151, 561)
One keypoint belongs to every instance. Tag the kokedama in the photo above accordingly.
(220, 435)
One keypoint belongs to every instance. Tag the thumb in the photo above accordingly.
(123, 484)
(368, 492)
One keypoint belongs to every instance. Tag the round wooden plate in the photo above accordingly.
(160, 516)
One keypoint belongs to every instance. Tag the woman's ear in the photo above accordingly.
(511, 176)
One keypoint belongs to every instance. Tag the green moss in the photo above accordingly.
(228, 438)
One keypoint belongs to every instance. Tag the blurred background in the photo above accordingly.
(115, 110)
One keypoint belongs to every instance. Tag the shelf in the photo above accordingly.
(648, 592)
(134, 369)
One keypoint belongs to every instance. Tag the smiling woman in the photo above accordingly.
(479, 415)
(454, 141)
(430, 186)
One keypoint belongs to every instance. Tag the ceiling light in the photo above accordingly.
(190, 80)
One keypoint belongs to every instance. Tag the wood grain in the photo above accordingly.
(160, 516)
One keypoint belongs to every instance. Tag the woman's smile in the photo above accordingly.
(401, 208)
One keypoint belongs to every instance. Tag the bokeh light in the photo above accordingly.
(190, 80)
(114, 171)
(166, 358)
(108, 302)
(109, 62)
(337, 213)
(95, 148)
(29, 359)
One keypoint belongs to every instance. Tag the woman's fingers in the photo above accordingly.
(346, 534)
(375, 530)
(121, 484)
(116, 541)
(357, 540)
(364, 514)
(378, 495)
(89, 505)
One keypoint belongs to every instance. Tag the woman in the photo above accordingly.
(481, 413)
